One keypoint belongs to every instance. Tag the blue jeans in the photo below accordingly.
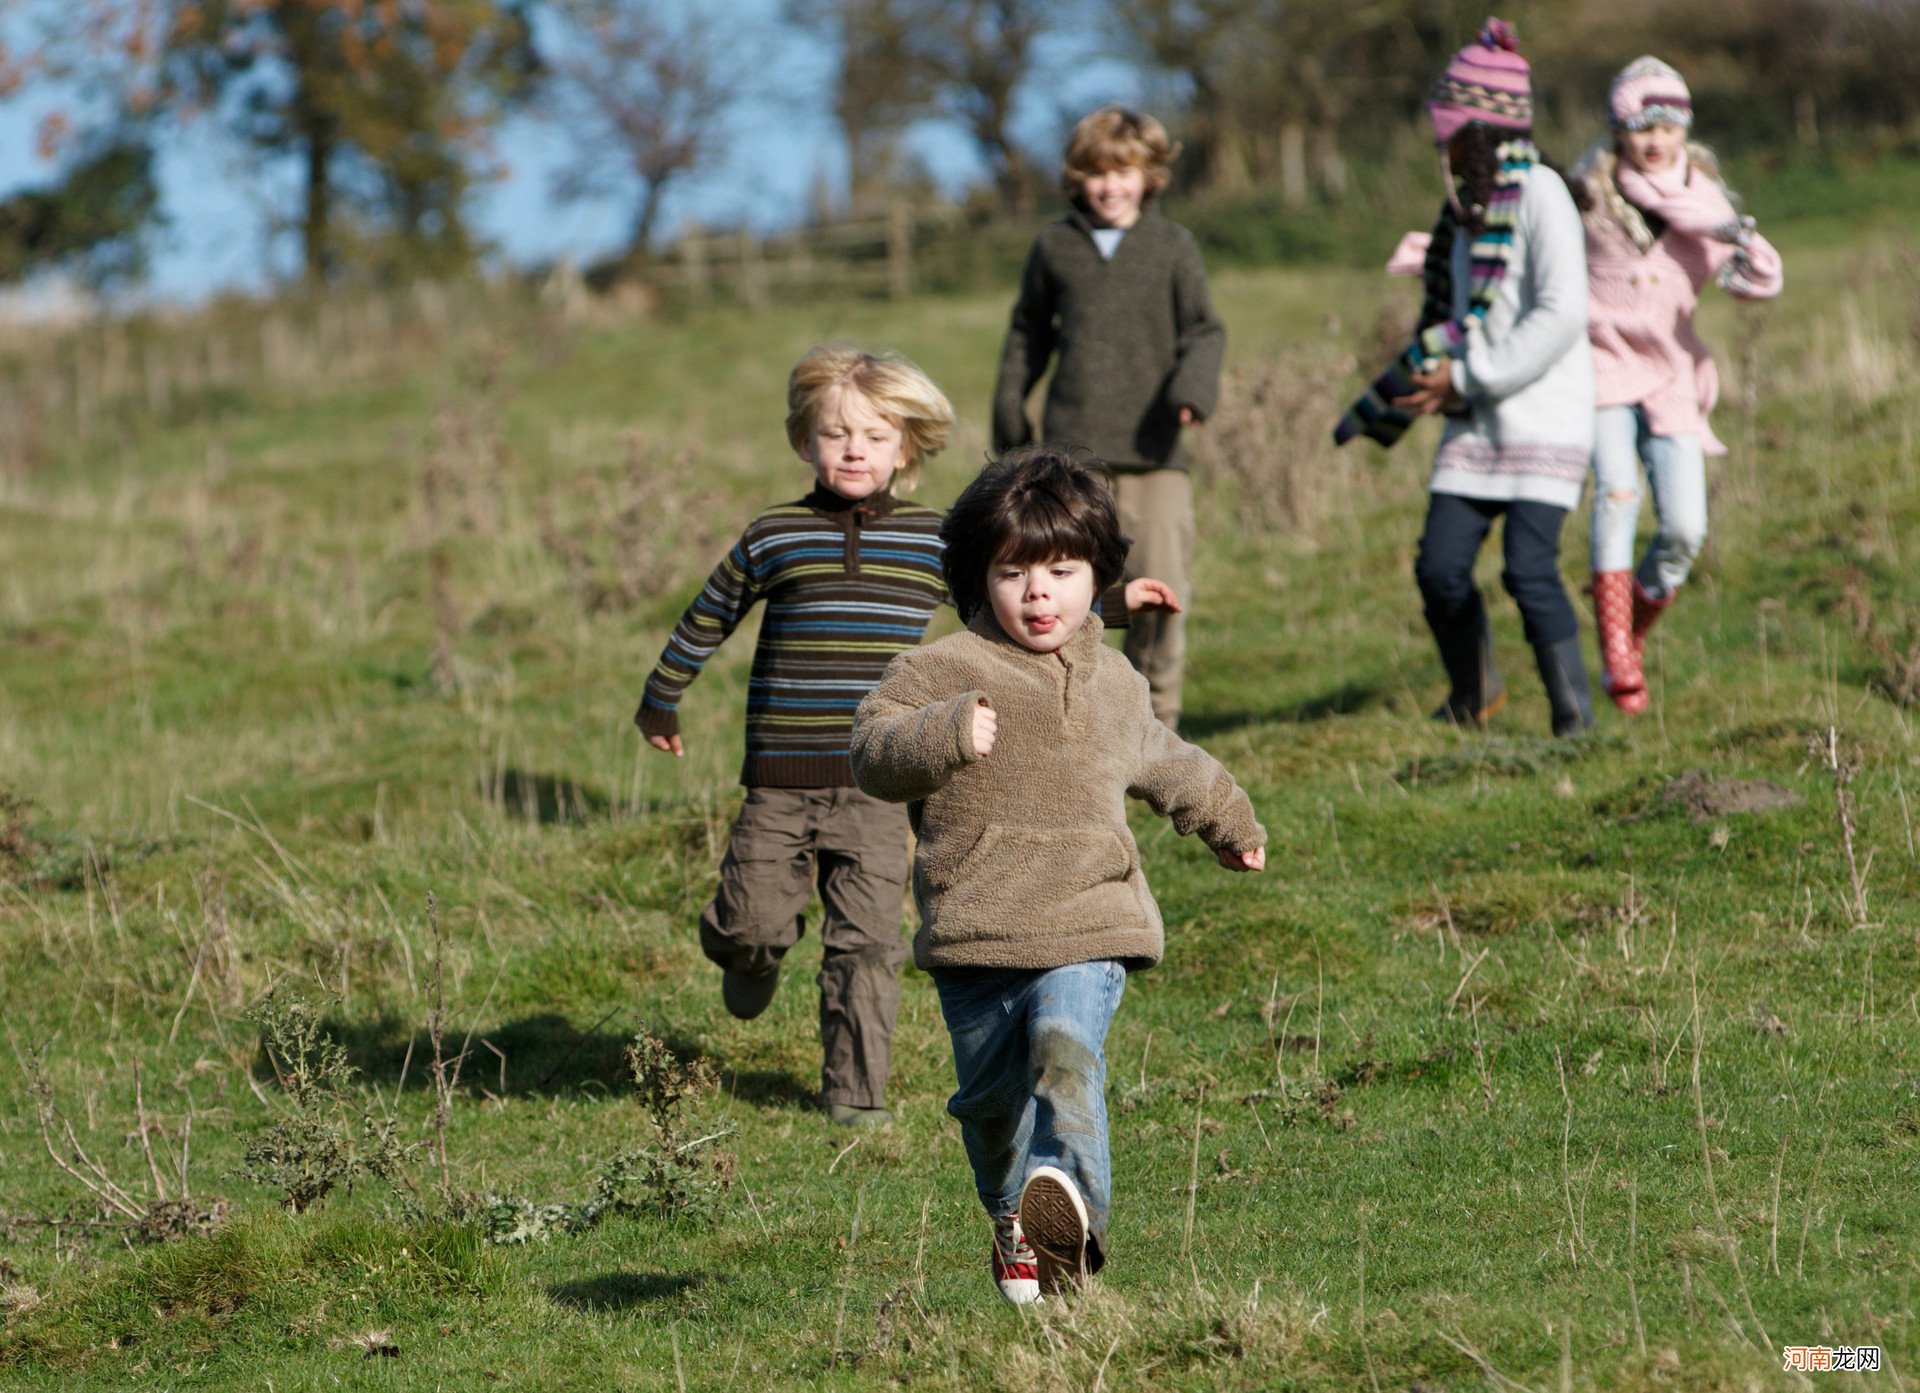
(1029, 1049)
(1677, 469)
(1530, 543)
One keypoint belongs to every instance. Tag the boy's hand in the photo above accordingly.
(1190, 417)
(1156, 595)
(985, 725)
(667, 744)
(1255, 860)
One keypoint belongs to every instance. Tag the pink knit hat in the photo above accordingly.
(1649, 93)
(1486, 81)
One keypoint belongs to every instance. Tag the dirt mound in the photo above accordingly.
(1706, 796)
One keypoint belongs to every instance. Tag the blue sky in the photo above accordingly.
(221, 206)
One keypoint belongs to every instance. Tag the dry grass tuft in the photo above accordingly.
(1271, 442)
(639, 536)
(1099, 1339)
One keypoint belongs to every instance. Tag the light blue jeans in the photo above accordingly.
(1029, 1049)
(1677, 469)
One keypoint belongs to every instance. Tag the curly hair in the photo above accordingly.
(1115, 138)
(1593, 176)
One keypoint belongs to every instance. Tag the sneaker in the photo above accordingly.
(747, 994)
(847, 1115)
(1055, 1220)
(1014, 1269)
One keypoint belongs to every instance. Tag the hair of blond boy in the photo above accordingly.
(1115, 138)
(893, 386)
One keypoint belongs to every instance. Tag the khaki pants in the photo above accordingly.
(855, 846)
(1156, 511)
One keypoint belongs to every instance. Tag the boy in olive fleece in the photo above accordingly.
(1118, 294)
(1014, 746)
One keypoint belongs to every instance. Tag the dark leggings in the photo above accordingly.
(1456, 528)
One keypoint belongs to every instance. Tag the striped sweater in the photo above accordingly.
(847, 585)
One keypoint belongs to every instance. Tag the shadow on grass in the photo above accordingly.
(1348, 697)
(544, 1055)
(627, 1291)
(768, 1088)
(542, 798)
(535, 1056)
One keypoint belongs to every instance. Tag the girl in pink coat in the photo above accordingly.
(1660, 227)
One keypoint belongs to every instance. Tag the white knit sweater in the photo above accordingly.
(1528, 372)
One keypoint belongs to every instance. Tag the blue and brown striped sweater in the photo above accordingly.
(847, 585)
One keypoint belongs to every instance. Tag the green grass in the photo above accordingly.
(1495, 1010)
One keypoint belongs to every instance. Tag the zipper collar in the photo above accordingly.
(825, 500)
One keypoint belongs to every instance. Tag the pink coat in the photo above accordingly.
(1645, 350)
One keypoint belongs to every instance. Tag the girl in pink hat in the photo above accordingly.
(1659, 227)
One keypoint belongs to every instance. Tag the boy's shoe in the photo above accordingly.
(847, 1115)
(1015, 1270)
(1054, 1218)
(747, 994)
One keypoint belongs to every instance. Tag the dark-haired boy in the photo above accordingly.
(1014, 746)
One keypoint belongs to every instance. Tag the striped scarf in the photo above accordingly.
(1439, 335)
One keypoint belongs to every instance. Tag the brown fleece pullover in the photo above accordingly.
(1024, 857)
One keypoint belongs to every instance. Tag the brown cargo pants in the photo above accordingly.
(1156, 511)
(856, 847)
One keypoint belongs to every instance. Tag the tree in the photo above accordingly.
(881, 82)
(93, 218)
(978, 53)
(650, 102)
(1279, 89)
(380, 102)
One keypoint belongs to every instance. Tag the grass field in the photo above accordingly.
(1524, 1065)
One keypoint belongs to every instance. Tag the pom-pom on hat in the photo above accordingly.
(1487, 81)
(1647, 93)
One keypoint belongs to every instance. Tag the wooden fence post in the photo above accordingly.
(753, 271)
(693, 256)
(899, 250)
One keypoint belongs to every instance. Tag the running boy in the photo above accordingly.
(851, 574)
(1120, 293)
(1014, 745)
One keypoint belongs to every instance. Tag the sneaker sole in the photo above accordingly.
(1055, 1221)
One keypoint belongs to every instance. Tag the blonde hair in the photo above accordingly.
(895, 388)
(1115, 138)
(1596, 170)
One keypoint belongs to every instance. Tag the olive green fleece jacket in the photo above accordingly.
(1136, 339)
(1024, 858)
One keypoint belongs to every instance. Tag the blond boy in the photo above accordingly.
(1119, 293)
(850, 574)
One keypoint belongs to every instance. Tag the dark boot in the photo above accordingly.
(1564, 674)
(1466, 649)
